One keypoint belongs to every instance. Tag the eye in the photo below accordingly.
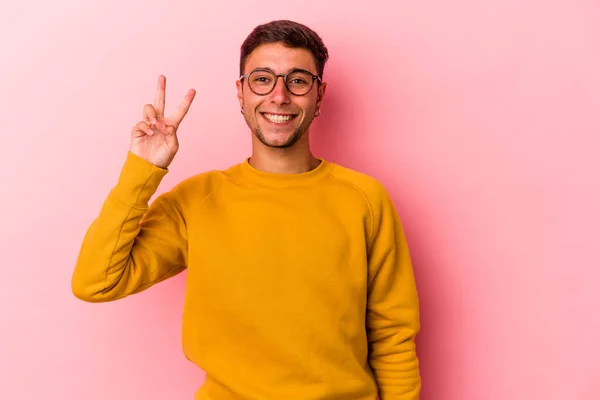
(298, 81)
(261, 78)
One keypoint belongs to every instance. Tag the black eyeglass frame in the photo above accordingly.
(284, 76)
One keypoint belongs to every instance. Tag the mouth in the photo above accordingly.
(278, 119)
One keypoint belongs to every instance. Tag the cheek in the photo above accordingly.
(309, 106)
(249, 106)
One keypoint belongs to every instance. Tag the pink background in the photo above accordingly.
(482, 119)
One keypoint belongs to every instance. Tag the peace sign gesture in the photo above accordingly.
(154, 138)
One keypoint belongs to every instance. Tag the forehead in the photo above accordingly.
(280, 58)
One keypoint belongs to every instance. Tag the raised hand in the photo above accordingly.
(155, 137)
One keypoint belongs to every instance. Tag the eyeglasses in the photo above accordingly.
(298, 81)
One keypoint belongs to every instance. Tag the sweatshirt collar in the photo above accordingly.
(253, 175)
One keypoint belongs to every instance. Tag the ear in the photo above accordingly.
(321, 93)
(240, 92)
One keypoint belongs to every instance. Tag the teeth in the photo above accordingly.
(278, 118)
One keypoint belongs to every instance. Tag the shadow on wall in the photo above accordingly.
(336, 133)
(438, 344)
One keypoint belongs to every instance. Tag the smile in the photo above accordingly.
(278, 118)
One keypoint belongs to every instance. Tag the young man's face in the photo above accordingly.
(280, 118)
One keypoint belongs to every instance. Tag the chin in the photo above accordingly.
(279, 143)
(278, 140)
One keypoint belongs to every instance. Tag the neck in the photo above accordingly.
(293, 160)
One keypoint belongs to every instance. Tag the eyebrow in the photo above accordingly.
(295, 69)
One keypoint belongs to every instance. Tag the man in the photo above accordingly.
(299, 284)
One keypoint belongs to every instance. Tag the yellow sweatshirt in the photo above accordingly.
(299, 286)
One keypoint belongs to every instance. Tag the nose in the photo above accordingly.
(280, 94)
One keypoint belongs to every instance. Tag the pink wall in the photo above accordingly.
(482, 119)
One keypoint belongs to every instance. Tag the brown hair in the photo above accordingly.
(291, 34)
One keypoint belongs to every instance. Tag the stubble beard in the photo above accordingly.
(293, 139)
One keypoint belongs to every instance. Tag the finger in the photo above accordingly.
(182, 108)
(142, 129)
(150, 115)
(159, 101)
(169, 130)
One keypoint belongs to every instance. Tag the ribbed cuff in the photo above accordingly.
(138, 181)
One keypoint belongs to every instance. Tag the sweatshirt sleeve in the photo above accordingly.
(131, 245)
(393, 307)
